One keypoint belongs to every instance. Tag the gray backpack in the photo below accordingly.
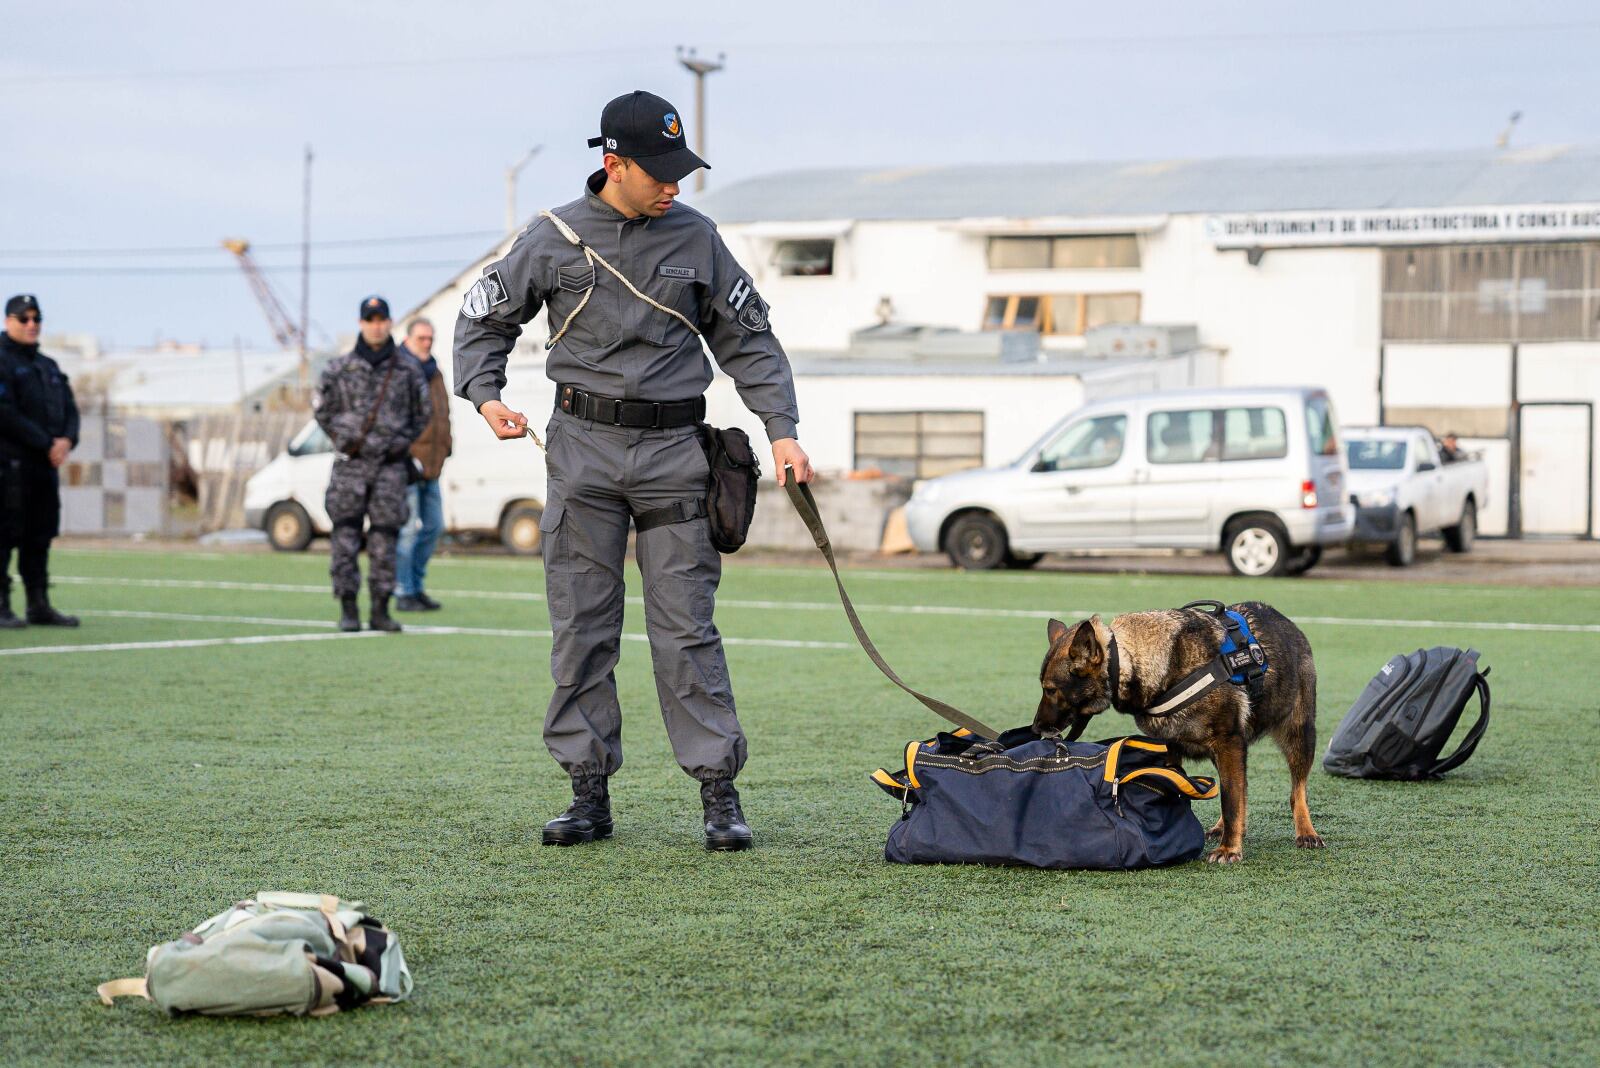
(1402, 720)
(302, 954)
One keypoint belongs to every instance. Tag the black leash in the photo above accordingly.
(806, 505)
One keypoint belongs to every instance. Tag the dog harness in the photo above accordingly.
(1241, 661)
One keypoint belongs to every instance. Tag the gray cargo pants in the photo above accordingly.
(599, 476)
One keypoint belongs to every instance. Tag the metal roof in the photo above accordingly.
(1438, 179)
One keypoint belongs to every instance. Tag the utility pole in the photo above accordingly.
(305, 282)
(699, 68)
(511, 187)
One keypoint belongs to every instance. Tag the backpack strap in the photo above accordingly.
(594, 257)
(122, 988)
(1475, 735)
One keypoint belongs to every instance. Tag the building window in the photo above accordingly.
(1082, 252)
(1492, 293)
(803, 259)
(1059, 314)
(918, 444)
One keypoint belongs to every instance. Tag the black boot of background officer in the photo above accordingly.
(381, 620)
(7, 620)
(40, 614)
(725, 826)
(349, 614)
(588, 817)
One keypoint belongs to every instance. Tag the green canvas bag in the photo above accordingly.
(302, 954)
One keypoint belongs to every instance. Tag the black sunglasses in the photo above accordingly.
(31, 317)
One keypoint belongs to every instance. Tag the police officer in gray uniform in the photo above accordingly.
(630, 372)
(372, 403)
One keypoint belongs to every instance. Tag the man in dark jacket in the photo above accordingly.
(421, 532)
(372, 403)
(38, 428)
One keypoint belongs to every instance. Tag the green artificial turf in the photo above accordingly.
(1447, 922)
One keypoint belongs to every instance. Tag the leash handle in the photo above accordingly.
(805, 504)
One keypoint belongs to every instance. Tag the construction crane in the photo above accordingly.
(283, 327)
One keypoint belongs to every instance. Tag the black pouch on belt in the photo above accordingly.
(731, 488)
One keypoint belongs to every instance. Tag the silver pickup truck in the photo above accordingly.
(1404, 488)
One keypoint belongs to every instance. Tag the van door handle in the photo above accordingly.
(1074, 489)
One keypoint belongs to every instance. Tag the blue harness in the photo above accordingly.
(1241, 661)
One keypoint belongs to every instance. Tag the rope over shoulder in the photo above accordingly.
(594, 257)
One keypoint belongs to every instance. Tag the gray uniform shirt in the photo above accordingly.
(619, 346)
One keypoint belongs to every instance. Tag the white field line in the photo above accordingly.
(833, 606)
(269, 621)
(186, 643)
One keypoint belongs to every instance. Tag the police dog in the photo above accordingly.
(1155, 650)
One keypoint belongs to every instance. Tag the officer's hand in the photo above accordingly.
(503, 421)
(59, 448)
(787, 452)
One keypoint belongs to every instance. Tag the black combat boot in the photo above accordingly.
(7, 620)
(587, 819)
(349, 618)
(42, 615)
(725, 826)
(381, 619)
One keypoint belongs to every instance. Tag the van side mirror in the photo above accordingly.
(1426, 465)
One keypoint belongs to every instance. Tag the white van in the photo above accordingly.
(489, 487)
(1255, 473)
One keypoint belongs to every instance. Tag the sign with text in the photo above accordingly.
(1406, 226)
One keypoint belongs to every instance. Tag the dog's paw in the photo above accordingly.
(1224, 855)
(1310, 841)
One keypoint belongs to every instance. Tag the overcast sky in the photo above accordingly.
(174, 125)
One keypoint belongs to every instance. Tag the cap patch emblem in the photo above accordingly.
(670, 125)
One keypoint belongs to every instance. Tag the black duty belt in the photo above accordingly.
(613, 412)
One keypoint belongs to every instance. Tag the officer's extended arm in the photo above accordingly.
(510, 292)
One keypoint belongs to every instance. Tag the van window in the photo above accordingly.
(310, 441)
(1254, 434)
(1206, 434)
(1087, 443)
(1320, 425)
(1181, 437)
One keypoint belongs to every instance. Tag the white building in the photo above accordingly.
(1460, 290)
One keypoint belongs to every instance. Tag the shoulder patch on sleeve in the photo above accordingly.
(486, 293)
(754, 315)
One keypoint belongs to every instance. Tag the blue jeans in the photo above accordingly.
(418, 536)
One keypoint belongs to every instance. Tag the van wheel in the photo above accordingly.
(1460, 537)
(977, 542)
(1403, 550)
(519, 529)
(288, 527)
(1257, 547)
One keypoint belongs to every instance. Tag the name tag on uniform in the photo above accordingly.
(668, 271)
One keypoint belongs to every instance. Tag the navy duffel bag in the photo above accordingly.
(1044, 803)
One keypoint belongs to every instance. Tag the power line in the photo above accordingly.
(282, 246)
(412, 265)
(799, 47)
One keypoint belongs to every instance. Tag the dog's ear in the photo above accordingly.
(1086, 650)
(1055, 629)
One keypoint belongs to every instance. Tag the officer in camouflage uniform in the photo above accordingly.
(372, 403)
(630, 374)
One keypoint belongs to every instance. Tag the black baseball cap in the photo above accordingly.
(645, 128)
(375, 308)
(23, 302)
